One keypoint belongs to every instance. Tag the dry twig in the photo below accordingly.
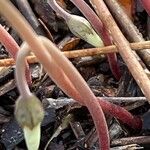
(81, 53)
(123, 47)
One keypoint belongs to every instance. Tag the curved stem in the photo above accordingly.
(9, 43)
(102, 32)
(87, 96)
(146, 5)
(120, 113)
(59, 76)
(20, 72)
(58, 9)
(12, 47)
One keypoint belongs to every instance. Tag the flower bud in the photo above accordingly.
(29, 114)
(81, 28)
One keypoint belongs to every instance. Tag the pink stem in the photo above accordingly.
(109, 108)
(12, 47)
(146, 5)
(100, 29)
(59, 76)
(62, 72)
(121, 114)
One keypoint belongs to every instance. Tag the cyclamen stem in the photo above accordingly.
(20, 72)
(13, 48)
(9, 43)
(146, 5)
(58, 9)
(101, 30)
(65, 83)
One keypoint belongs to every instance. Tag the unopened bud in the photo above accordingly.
(29, 114)
(81, 28)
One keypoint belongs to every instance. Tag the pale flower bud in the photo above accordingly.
(29, 114)
(81, 28)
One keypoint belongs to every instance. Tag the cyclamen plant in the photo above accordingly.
(29, 111)
(81, 28)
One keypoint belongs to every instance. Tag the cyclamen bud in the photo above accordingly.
(81, 28)
(29, 114)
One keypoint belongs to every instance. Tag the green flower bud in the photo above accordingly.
(29, 114)
(81, 28)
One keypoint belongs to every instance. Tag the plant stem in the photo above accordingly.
(20, 73)
(58, 9)
(100, 29)
(9, 43)
(146, 5)
(74, 88)
(13, 48)
(26, 10)
(114, 110)
(121, 114)
(123, 47)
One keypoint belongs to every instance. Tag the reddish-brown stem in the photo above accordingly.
(100, 29)
(79, 86)
(68, 87)
(146, 5)
(121, 114)
(60, 77)
(109, 108)
(65, 83)
(13, 48)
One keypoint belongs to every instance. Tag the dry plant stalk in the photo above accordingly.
(123, 47)
(81, 53)
(130, 30)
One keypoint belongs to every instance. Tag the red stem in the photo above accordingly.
(121, 114)
(12, 47)
(100, 29)
(117, 111)
(146, 5)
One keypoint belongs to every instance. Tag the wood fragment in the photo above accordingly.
(131, 140)
(129, 28)
(81, 53)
